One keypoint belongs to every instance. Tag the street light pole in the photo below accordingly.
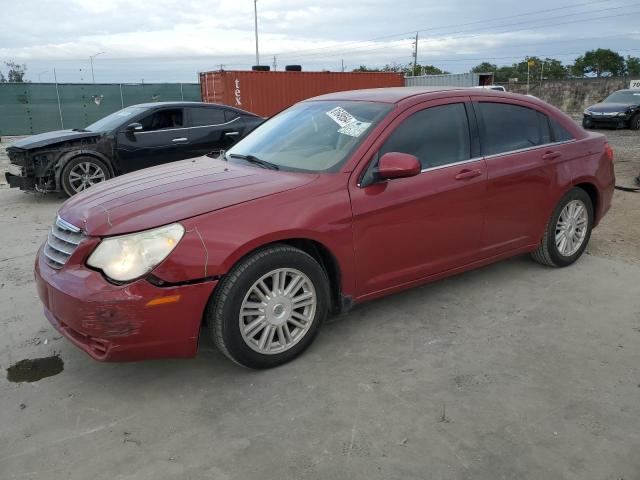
(91, 57)
(255, 19)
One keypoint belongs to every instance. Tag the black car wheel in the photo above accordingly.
(634, 123)
(82, 172)
(268, 308)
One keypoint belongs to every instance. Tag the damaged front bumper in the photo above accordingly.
(137, 321)
(31, 172)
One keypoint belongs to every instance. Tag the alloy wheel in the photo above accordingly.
(571, 228)
(85, 174)
(278, 311)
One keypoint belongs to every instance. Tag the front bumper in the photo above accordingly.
(115, 323)
(23, 183)
(611, 121)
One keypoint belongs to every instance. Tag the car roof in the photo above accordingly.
(190, 104)
(384, 95)
(400, 94)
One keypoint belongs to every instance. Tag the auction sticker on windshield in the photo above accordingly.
(341, 116)
(354, 129)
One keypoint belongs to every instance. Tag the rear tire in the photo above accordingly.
(82, 172)
(267, 310)
(567, 234)
(634, 123)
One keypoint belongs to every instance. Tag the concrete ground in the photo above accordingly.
(513, 371)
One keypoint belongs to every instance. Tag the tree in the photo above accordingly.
(485, 67)
(15, 74)
(633, 66)
(600, 62)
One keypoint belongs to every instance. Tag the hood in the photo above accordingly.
(169, 193)
(51, 138)
(609, 107)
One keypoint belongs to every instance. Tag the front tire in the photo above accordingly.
(269, 307)
(567, 234)
(82, 172)
(634, 123)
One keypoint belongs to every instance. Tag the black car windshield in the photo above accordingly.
(115, 120)
(628, 97)
(316, 136)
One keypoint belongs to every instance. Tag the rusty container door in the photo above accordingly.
(267, 93)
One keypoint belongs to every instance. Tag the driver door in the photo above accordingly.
(408, 229)
(164, 138)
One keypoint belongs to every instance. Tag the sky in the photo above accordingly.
(173, 40)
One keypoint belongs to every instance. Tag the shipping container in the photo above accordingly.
(266, 93)
(450, 80)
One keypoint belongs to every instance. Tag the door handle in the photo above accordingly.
(231, 134)
(181, 139)
(551, 155)
(467, 174)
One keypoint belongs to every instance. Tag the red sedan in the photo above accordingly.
(337, 200)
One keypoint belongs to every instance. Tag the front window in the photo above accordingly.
(115, 120)
(315, 136)
(631, 98)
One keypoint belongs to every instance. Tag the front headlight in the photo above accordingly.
(622, 114)
(130, 256)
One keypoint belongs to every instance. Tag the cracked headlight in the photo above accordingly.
(127, 257)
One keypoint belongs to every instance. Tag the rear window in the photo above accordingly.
(505, 127)
(204, 116)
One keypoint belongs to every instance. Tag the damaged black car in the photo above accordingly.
(133, 138)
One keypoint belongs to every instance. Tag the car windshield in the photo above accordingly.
(316, 136)
(114, 120)
(623, 97)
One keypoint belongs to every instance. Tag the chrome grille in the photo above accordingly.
(62, 241)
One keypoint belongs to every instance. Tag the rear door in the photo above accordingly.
(409, 228)
(214, 129)
(163, 138)
(516, 141)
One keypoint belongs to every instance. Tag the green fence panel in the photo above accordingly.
(30, 108)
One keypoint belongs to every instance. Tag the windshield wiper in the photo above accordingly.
(256, 160)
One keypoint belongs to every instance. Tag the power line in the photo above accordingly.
(484, 22)
(331, 53)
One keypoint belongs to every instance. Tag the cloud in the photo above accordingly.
(309, 32)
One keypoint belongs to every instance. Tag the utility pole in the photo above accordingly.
(541, 72)
(221, 66)
(342, 61)
(415, 56)
(255, 19)
(275, 65)
(91, 57)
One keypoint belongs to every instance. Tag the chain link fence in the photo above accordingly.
(29, 108)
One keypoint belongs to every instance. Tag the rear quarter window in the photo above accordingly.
(505, 127)
(560, 134)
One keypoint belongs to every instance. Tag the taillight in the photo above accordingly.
(608, 151)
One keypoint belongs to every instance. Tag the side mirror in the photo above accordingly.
(134, 127)
(398, 165)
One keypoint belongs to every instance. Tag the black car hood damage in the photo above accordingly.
(52, 138)
(610, 107)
